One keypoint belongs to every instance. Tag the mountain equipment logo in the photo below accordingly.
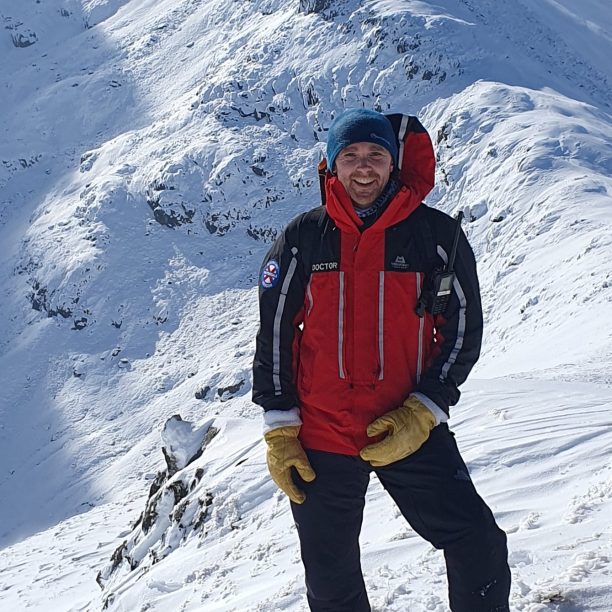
(270, 274)
(399, 263)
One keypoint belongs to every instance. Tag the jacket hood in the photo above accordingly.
(416, 176)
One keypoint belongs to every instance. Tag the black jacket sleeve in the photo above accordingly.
(459, 329)
(281, 301)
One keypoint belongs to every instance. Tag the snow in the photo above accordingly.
(150, 153)
(537, 451)
(182, 442)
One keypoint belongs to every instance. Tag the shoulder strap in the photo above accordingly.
(429, 237)
(322, 171)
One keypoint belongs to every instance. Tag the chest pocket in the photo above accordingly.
(411, 247)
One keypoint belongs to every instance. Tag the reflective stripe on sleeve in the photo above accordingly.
(460, 325)
(278, 318)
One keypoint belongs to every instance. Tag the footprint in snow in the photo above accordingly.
(531, 521)
(584, 565)
(498, 413)
(582, 505)
(164, 587)
(520, 558)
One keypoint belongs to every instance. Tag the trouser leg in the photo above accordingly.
(328, 525)
(433, 491)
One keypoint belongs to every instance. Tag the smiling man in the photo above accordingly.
(366, 333)
(364, 169)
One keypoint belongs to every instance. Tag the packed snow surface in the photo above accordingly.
(150, 153)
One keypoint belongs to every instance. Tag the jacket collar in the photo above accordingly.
(340, 208)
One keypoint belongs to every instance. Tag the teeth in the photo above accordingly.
(363, 182)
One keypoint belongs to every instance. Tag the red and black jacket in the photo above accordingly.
(339, 336)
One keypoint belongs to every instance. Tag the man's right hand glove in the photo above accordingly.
(407, 429)
(285, 452)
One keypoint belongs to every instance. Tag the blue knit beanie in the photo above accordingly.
(360, 125)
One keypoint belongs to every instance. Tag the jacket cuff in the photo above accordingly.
(439, 414)
(273, 419)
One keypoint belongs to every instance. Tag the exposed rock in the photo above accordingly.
(30, 161)
(221, 223)
(179, 489)
(203, 513)
(265, 234)
(310, 95)
(174, 507)
(24, 39)
(473, 212)
(202, 392)
(226, 393)
(150, 514)
(80, 323)
(210, 434)
(116, 559)
(40, 300)
(182, 443)
(169, 209)
(87, 161)
(179, 511)
(156, 485)
(196, 479)
(313, 6)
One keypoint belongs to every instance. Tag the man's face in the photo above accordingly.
(364, 169)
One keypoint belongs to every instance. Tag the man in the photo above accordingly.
(356, 366)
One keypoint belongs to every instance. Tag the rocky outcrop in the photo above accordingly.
(176, 506)
(168, 206)
(24, 39)
(313, 6)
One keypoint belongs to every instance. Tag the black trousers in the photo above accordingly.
(433, 490)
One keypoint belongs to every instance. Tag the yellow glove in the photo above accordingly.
(408, 427)
(285, 452)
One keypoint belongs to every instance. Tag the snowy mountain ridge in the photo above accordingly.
(152, 151)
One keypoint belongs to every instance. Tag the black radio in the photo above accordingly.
(438, 287)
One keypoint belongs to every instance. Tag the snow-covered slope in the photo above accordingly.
(151, 150)
(218, 534)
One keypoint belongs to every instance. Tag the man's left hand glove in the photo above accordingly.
(408, 427)
(286, 452)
